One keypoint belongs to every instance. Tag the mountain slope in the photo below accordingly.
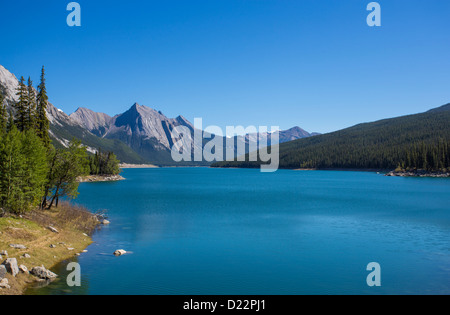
(97, 123)
(418, 141)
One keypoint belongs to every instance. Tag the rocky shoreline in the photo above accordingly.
(418, 173)
(37, 239)
(126, 165)
(100, 178)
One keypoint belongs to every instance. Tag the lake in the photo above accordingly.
(238, 231)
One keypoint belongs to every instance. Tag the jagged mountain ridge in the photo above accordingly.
(145, 130)
(149, 132)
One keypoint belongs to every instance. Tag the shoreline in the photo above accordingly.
(419, 173)
(388, 172)
(126, 165)
(99, 178)
(391, 173)
(43, 238)
(372, 170)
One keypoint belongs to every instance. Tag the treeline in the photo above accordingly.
(32, 172)
(430, 156)
(420, 141)
(103, 163)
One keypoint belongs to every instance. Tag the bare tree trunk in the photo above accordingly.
(51, 203)
(45, 198)
(47, 188)
(54, 197)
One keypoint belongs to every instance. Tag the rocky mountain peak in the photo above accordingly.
(97, 123)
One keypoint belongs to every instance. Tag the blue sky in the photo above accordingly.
(311, 63)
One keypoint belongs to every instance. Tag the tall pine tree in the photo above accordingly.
(3, 115)
(42, 123)
(21, 106)
(31, 106)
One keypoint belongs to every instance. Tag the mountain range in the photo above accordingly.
(139, 135)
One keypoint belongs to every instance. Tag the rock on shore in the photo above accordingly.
(18, 246)
(11, 266)
(24, 269)
(43, 273)
(99, 178)
(2, 271)
(4, 284)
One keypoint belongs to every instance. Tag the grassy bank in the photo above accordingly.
(74, 225)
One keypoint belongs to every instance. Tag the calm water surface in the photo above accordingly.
(238, 231)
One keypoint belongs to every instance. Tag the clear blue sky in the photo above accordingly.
(311, 63)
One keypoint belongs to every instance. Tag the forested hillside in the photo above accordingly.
(420, 141)
(33, 173)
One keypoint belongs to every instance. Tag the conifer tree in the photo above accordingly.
(3, 115)
(31, 106)
(12, 168)
(36, 166)
(21, 106)
(42, 123)
(10, 123)
(23, 168)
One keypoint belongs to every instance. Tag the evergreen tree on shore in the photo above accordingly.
(23, 170)
(31, 106)
(21, 106)
(103, 163)
(42, 123)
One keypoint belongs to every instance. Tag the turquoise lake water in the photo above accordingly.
(239, 231)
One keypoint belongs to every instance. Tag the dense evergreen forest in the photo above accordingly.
(32, 172)
(413, 142)
(103, 163)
